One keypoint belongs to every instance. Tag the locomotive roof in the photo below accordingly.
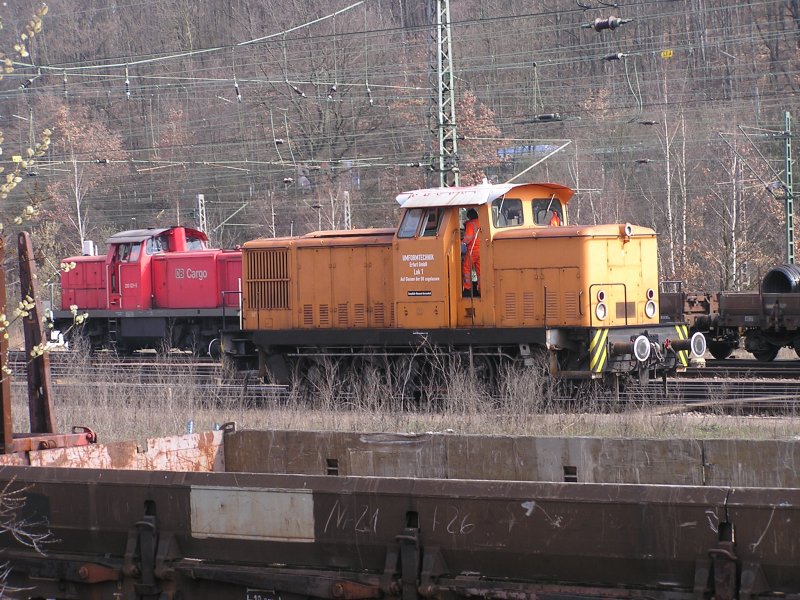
(139, 235)
(470, 195)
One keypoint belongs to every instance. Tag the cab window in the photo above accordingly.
(128, 252)
(158, 244)
(410, 222)
(547, 211)
(507, 212)
(194, 243)
(430, 222)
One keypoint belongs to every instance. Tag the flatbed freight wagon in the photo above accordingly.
(278, 514)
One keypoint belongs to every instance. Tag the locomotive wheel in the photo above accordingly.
(215, 349)
(193, 342)
(123, 350)
(409, 381)
(766, 353)
(163, 346)
(484, 369)
(721, 350)
(320, 380)
(370, 380)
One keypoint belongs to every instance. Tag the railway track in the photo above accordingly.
(722, 386)
(681, 396)
(139, 368)
(749, 368)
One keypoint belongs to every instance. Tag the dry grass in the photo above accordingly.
(129, 405)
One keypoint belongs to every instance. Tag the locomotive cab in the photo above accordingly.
(588, 294)
(129, 262)
(445, 276)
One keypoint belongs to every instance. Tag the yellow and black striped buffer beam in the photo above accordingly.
(598, 350)
(683, 334)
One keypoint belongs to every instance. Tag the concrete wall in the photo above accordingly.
(740, 463)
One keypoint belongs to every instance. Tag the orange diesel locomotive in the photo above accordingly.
(585, 297)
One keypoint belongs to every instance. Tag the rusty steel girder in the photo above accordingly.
(245, 535)
(40, 397)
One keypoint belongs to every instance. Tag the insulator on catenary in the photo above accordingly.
(611, 22)
(331, 91)
(297, 90)
(238, 93)
(615, 56)
(369, 95)
(643, 161)
(648, 122)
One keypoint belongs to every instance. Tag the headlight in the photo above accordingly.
(650, 309)
(601, 295)
(641, 348)
(601, 311)
(651, 293)
(698, 344)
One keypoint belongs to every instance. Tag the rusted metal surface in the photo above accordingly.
(81, 436)
(720, 462)
(15, 448)
(194, 452)
(192, 530)
(699, 310)
(367, 537)
(40, 402)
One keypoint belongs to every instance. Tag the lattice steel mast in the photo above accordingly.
(443, 108)
(789, 183)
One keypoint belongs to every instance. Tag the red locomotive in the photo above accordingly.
(155, 288)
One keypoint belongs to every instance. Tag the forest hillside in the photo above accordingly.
(291, 115)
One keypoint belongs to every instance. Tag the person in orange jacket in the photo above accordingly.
(555, 220)
(472, 256)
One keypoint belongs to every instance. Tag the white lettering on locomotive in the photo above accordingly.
(200, 274)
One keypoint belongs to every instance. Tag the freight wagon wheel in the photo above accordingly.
(766, 353)
(721, 350)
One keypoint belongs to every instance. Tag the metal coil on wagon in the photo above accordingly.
(782, 279)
